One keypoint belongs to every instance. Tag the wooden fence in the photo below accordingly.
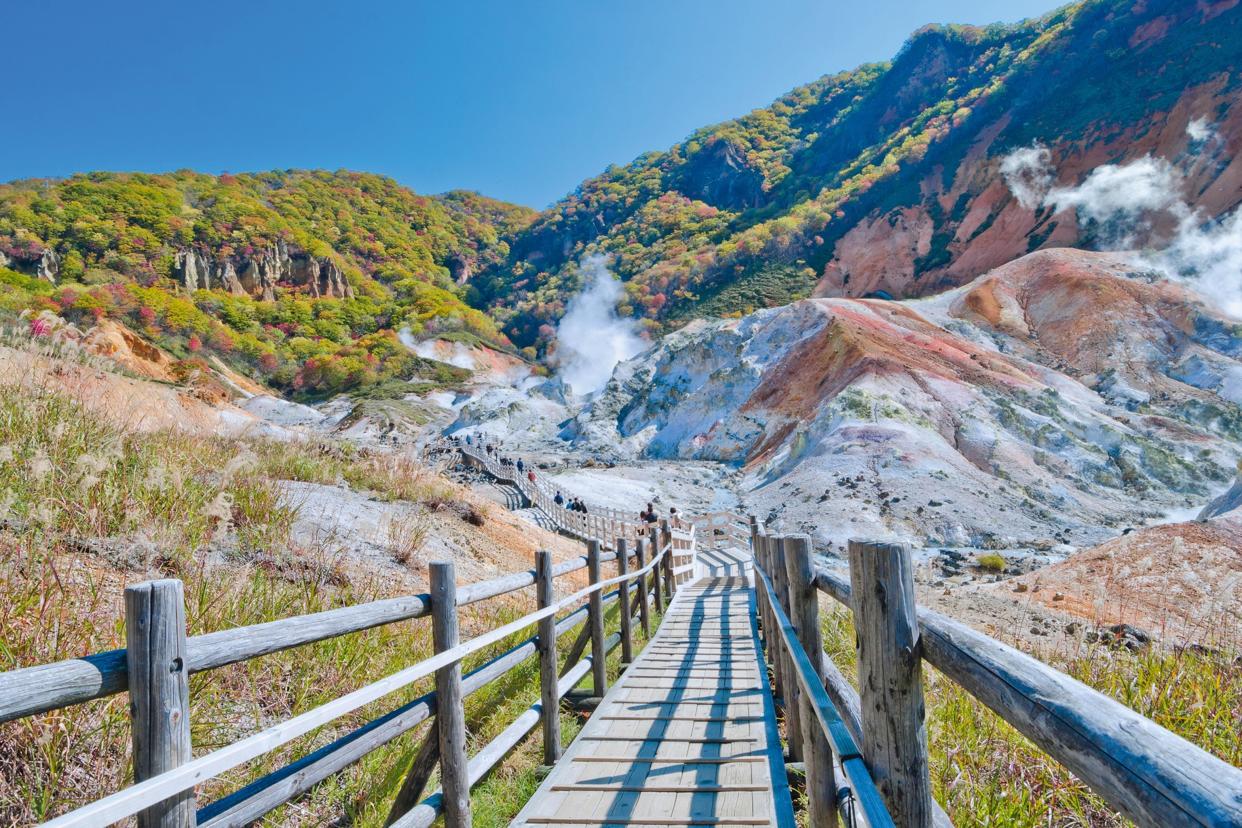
(159, 656)
(602, 523)
(877, 733)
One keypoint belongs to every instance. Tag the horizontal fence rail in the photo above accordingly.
(1152, 776)
(163, 794)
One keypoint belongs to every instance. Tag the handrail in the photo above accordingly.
(843, 746)
(586, 526)
(135, 798)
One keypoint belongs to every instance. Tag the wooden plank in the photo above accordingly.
(159, 697)
(654, 770)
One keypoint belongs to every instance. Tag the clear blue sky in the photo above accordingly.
(519, 99)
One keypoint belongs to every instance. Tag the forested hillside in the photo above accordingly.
(880, 181)
(884, 180)
(299, 278)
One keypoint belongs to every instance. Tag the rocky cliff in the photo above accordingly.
(260, 273)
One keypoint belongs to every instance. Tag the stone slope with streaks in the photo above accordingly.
(1051, 402)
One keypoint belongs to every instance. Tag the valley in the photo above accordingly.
(982, 299)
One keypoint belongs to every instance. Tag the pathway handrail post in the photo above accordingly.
(599, 669)
(821, 788)
(550, 712)
(623, 566)
(890, 678)
(792, 691)
(666, 542)
(159, 693)
(760, 596)
(450, 704)
(657, 575)
(644, 613)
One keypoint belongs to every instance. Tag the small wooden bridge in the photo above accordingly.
(703, 727)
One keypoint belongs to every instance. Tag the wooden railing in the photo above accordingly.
(158, 658)
(1150, 775)
(601, 523)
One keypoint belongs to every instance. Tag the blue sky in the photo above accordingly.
(520, 99)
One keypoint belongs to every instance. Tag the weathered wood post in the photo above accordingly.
(821, 789)
(599, 669)
(450, 704)
(792, 690)
(761, 598)
(644, 615)
(772, 637)
(623, 566)
(549, 698)
(666, 541)
(657, 570)
(890, 678)
(159, 693)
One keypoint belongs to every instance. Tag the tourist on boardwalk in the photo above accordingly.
(559, 500)
(530, 475)
(649, 517)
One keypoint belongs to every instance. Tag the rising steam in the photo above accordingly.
(591, 338)
(1121, 201)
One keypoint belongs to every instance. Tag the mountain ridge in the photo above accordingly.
(777, 204)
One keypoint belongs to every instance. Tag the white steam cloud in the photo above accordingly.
(1200, 130)
(591, 338)
(1028, 172)
(1121, 200)
(458, 354)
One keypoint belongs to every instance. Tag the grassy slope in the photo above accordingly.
(986, 773)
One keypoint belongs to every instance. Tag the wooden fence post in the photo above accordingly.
(666, 540)
(550, 700)
(772, 636)
(450, 704)
(792, 691)
(644, 616)
(599, 669)
(159, 693)
(821, 787)
(761, 598)
(890, 678)
(623, 566)
(656, 571)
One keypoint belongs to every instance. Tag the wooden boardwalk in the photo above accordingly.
(688, 735)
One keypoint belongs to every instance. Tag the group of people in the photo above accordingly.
(506, 462)
(574, 504)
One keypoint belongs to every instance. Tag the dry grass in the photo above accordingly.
(986, 773)
(89, 507)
